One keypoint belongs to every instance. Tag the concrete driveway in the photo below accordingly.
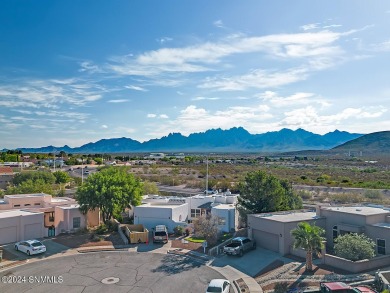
(252, 262)
(52, 248)
(109, 272)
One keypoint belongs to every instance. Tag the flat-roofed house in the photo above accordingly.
(273, 230)
(50, 216)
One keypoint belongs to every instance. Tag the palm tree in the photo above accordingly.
(309, 237)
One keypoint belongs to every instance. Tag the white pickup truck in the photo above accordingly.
(239, 245)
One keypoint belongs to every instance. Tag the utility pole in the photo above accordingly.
(207, 175)
(82, 171)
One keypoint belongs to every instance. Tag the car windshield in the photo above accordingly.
(214, 289)
(160, 233)
(35, 244)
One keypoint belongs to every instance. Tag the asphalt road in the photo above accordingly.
(110, 272)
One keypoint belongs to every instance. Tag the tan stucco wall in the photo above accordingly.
(31, 225)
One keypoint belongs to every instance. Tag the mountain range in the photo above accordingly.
(236, 139)
(376, 142)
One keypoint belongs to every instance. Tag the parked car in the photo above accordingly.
(239, 245)
(30, 247)
(219, 286)
(160, 234)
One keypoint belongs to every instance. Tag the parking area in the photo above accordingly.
(119, 271)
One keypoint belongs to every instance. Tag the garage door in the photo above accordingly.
(8, 235)
(266, 240)
(32, 231)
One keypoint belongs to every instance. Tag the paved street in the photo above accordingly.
(110, 272)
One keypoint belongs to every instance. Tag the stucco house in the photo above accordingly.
(273, 230)
(25, 216)
(173, 211)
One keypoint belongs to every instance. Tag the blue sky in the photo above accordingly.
(73, 72)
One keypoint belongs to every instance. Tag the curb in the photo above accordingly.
(236, 287)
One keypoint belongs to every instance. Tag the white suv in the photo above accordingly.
(160, 234)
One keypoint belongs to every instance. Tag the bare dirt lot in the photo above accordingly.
(86, 240)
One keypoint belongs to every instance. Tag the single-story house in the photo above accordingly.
(273, 230)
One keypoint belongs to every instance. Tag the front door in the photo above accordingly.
(52, 232)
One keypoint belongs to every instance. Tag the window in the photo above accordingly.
(76, 222)
(27, 205)
(245, 241)
(221, 221)
(335, 232)
(195, 213)
(381, 246)
(16, 205)
(37, 204)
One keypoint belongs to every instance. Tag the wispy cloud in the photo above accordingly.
(256, 79)
(35, 93)
(118, 101)
(161, 116)
(218, 23)
(205, 56)
(310, 26)
(163, 40)
(300, 98)
(136, 88)
(205, 98)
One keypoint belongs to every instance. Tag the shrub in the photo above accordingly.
(354, 247)
(178, 230)
(101, 229)
(281, 287)
(373, 194)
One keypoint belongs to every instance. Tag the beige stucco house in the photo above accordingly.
(26, 216)
(273, 230)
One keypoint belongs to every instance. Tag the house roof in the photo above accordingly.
(15, 213)
(288, 216)
(358, 210)
(6, 170)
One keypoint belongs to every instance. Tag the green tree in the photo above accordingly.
(31, 186)
(354, 247)
(47, 177)
(262, 193)
(309, 237)
(61, 177)
(111, 190)
(150, 187)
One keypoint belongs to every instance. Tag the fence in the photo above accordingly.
(357, 266)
